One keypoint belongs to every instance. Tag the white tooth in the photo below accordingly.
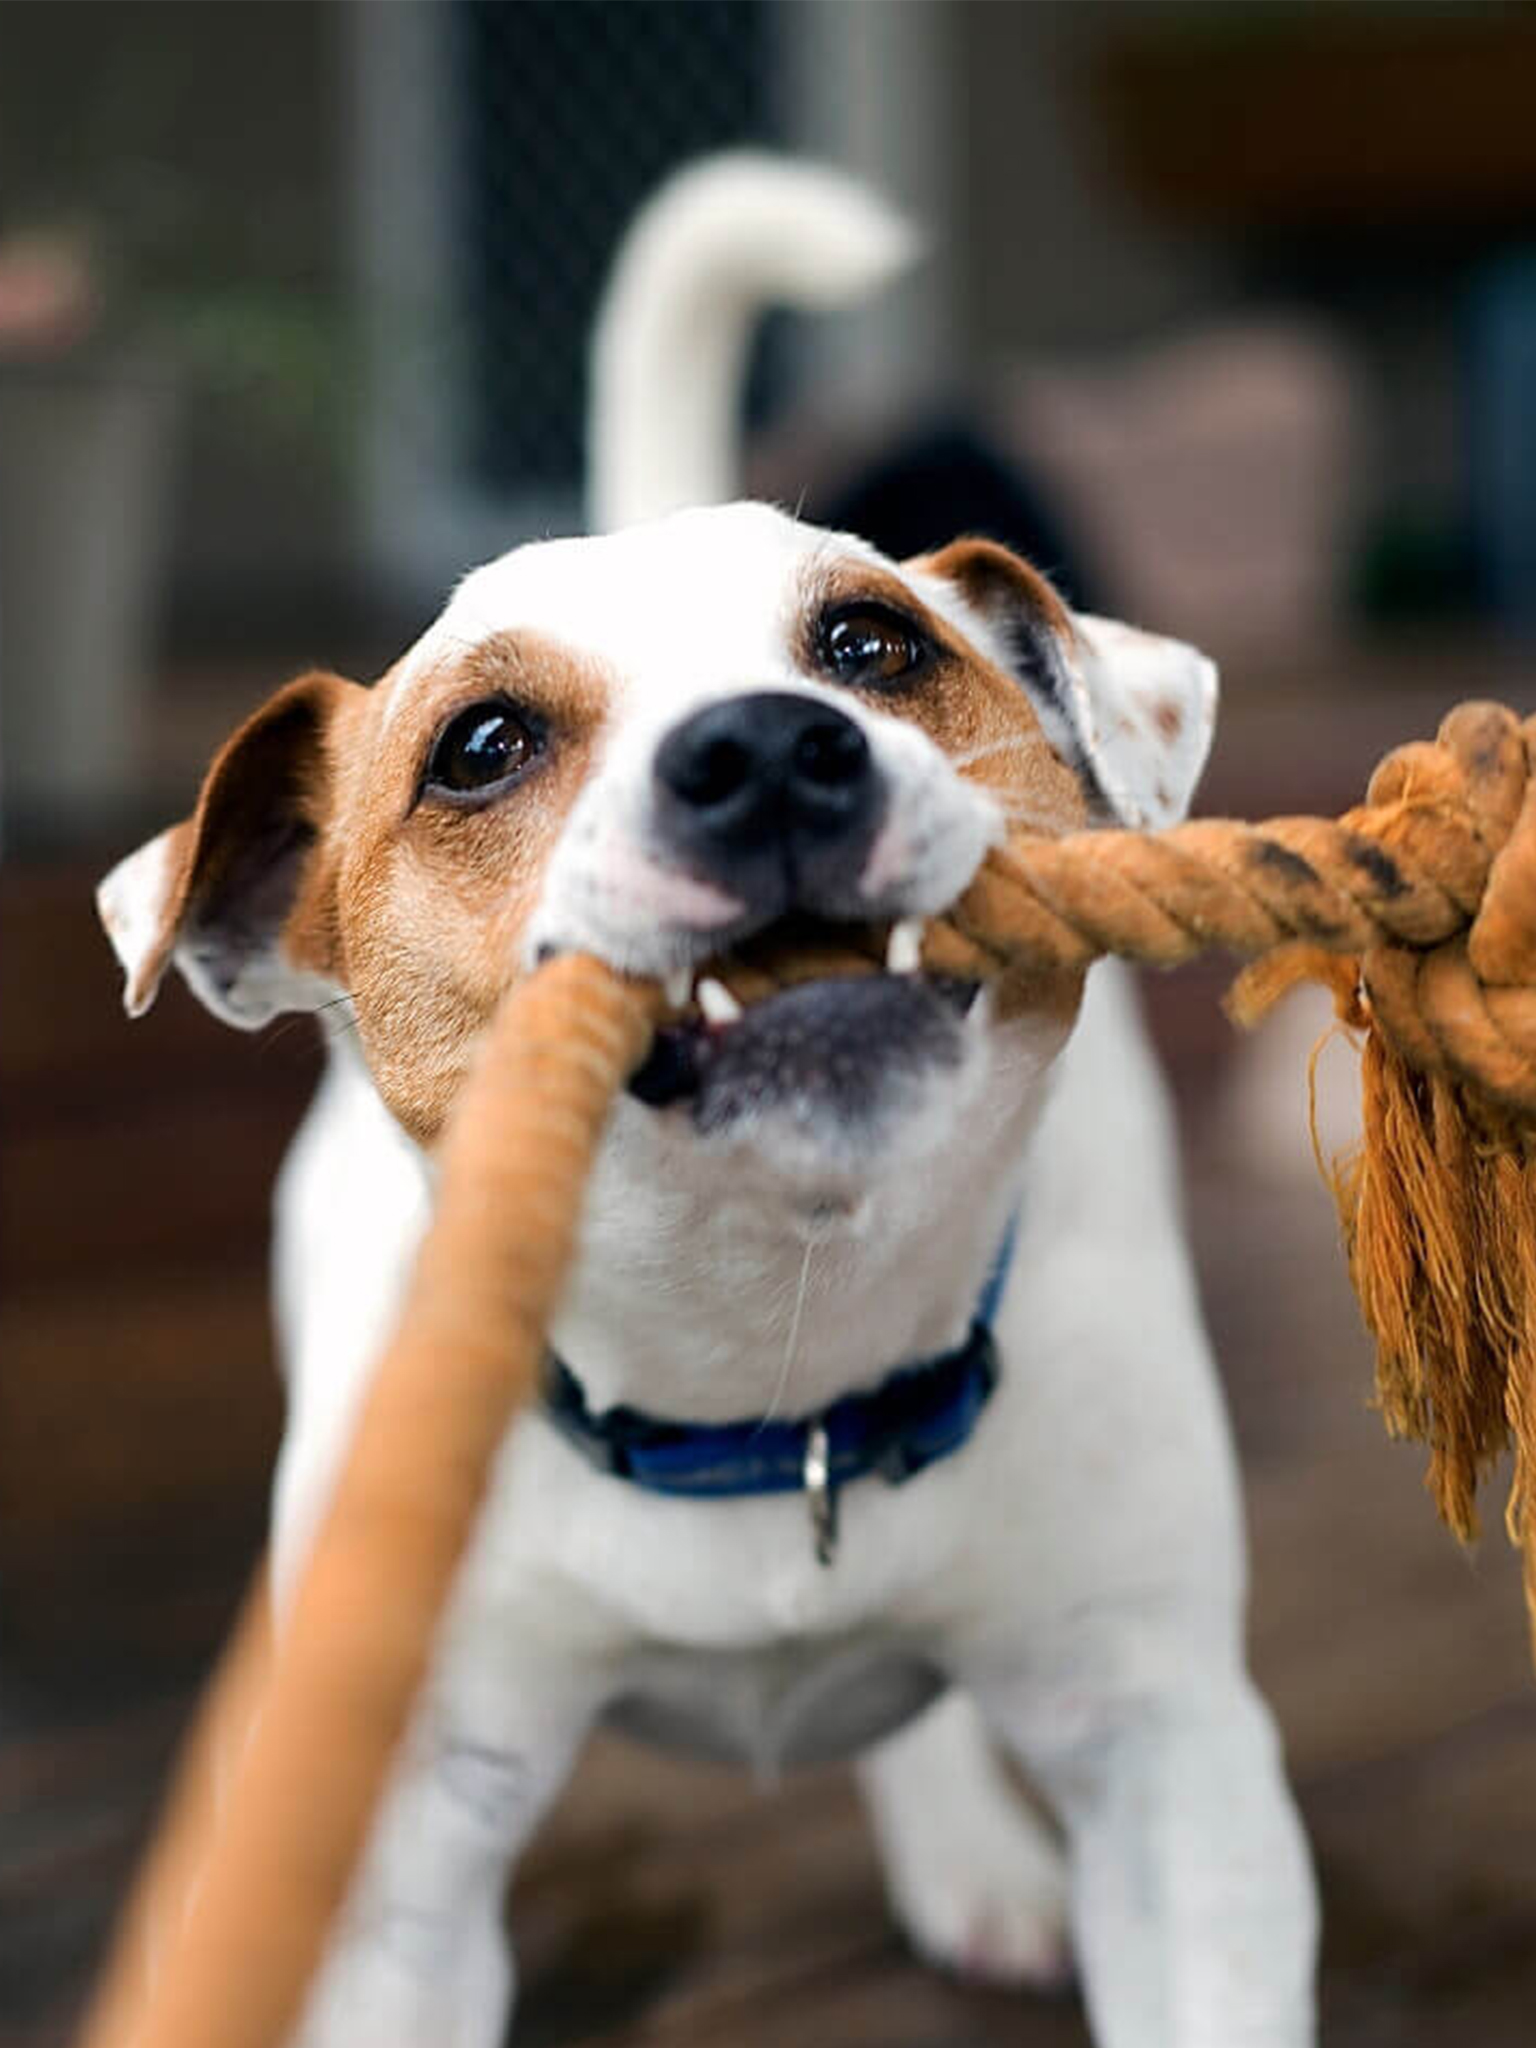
(904, 948)
(717, 1002)
(678, 987)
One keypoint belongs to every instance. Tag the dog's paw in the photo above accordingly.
(989, 1905)
(412, 1980)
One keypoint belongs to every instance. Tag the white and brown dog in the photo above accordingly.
(655, 745)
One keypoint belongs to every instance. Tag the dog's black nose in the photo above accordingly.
(767, 785)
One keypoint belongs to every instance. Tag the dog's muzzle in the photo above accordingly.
(775, 797)
(778, 798)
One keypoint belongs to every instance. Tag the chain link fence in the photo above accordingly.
(571, 112)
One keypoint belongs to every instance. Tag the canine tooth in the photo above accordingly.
(717, 1002)
(678, 987)
(904, 948)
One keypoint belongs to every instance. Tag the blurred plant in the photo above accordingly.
(48, 300)
(109, 256)
(288, 355)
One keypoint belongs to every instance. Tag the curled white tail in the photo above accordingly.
(720, 243)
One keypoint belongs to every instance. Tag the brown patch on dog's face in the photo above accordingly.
(411, 903)
(340, 855)
(433, 888)
(328, 852)
(975, 711)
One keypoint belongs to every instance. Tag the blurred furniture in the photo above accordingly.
(139, 1407)
(1214, 475)
(84, 445)
(1326, 117)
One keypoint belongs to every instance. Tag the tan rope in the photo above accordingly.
(1428, 891)
(231, 1916)
(1432, 882)
(1419, 909)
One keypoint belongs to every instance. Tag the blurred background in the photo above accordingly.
(1229, 318)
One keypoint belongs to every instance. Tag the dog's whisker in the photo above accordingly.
(792, 1342)
(332, 1028)
(1015, 811)
(284, 1027)
(1003, 791)
(281, 1030)
(1010, 743)
(1015, 806)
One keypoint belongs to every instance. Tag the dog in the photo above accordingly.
(891, 1209)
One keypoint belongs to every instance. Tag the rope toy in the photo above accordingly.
(1418, 908)
(292, 1745)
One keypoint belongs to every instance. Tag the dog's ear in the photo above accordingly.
(235, 894)
(1135, 712)
(1152, 702)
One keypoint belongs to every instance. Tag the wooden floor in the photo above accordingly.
(668, 1904)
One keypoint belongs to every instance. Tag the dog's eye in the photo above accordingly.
(869, 646)
(481, 748)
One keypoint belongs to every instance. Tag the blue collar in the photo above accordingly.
(911, 1420)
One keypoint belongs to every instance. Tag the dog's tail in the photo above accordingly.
(718, 244)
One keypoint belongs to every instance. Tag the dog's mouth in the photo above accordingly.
(824, 1015)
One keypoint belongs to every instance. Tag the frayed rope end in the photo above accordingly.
(1437, 1206)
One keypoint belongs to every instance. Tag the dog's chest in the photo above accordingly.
(790, 1703)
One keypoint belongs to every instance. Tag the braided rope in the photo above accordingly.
(1431, 882)
(218, 1947)
(1426, 893)
(1430, 886)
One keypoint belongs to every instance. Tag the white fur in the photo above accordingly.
(715, 245)
(673, 593)
(1076, 1569)
(1125, 676)
(137, 905)
(131, 903)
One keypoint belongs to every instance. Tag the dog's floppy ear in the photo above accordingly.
(1152, 702)
(233, 894)
(1134, 711)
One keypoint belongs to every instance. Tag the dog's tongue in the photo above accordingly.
(674, 1066)
(794, 950)
(832, 1046)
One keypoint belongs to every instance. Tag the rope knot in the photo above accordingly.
(1465, 1006)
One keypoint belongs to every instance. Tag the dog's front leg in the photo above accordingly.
(420, 1958)
(1193, 1905)
(975, 1877)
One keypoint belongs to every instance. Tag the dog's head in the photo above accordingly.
(670, 746)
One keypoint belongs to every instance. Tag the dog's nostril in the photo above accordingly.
(830, 755)
(713, 773)
(768, 773)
